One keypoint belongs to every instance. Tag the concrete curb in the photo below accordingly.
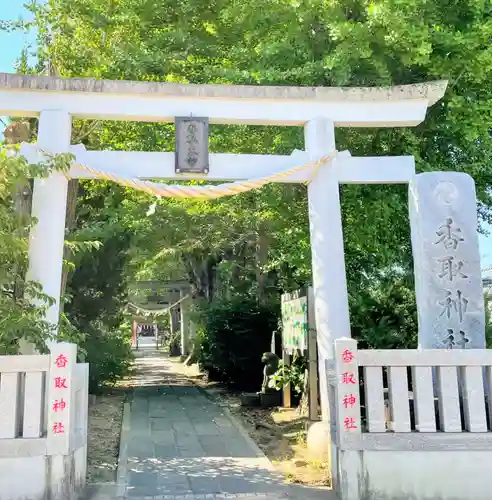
(244, 433)
(122, 471)
(101, 491)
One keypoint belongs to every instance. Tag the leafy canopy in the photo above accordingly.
(259, 243)
(22, 302)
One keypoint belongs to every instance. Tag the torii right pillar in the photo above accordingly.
(328, 260)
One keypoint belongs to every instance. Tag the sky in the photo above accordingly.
(12, 43)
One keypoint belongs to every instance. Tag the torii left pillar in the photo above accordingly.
(49, 204)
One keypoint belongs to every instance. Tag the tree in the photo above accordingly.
(97, 285)
(22, 302)
(319, 42)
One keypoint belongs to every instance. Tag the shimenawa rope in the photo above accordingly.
(208, 192)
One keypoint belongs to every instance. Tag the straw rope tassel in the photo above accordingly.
(205, 192)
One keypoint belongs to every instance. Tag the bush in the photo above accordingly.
(233, 336)
(172, 344)
(292, 374)
(109, 355)
(384, 316)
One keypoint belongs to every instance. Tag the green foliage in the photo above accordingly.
(172, 343)
(257, 244)
(292, 374)
(97, 291)
(98, 286)
(82, 246)
(22, 302)
(67, 332)
(383, 315)
(109, 355)
(221, 245)
(234, 337)
(22, 318)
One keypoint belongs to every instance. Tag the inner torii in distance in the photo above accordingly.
(55, 101)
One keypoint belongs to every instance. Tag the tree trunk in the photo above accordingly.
(73, 189)
(16, 133)
(211, 271)
(261, 254)
(202, 271)
(235, 277)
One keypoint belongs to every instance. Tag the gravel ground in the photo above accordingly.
(105, 417)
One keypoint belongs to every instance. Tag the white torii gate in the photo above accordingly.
(319, 110)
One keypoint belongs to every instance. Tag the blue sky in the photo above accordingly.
(12, 43)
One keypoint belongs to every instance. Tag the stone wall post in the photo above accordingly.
(60, 391)
(346, 424)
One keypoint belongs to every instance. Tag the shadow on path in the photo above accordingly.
(182, 445)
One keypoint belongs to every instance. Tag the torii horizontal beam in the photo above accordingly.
(405, 105)
(235, 167)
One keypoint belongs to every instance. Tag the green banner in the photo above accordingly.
(295, 327)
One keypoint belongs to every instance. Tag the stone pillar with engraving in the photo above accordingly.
(448, 281)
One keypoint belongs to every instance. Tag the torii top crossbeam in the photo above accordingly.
(405, 105)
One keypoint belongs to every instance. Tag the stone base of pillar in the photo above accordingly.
(319, 441)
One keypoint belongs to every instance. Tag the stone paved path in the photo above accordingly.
(181, 445)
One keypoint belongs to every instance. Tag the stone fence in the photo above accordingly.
(411, 424)
(43, 425)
